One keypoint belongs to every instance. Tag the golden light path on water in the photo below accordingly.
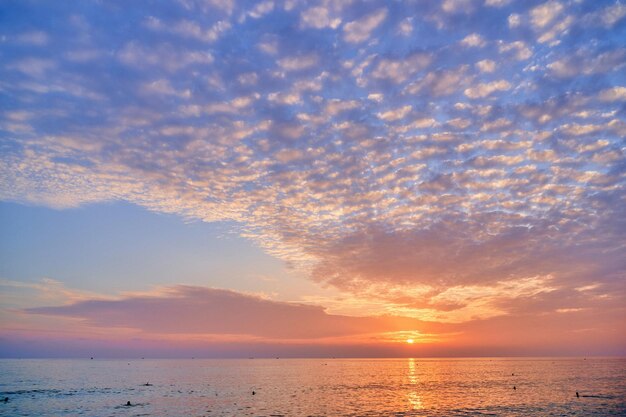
(412, 394)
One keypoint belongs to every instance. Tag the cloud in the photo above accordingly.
(473, 40)
(514, 20)
(163, 87)
(556, 30)
(360, 30)
(405, 27)
(486, 65)
(484, 89)
(613, 14)
(286, 99)
(543, 15)
(362, 159)
(457, 6)
(261, 9)
(497, 3)
(440, 83)
(198, 310)
(334, 107)
(395, 114)
(521, 49)
(459, 123)
(190, 29)
(399, 70)
(584, 63)
(180, 316)
(318, 18)
(613, 94)
(298, 63)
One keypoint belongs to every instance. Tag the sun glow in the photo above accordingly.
(410, 341)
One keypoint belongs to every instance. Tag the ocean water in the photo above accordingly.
(314, 387)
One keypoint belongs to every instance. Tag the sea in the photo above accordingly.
(314, 387)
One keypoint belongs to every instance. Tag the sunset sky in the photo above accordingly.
(284, 178)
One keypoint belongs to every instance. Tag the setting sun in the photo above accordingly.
(410, 341)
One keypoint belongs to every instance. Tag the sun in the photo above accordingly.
(410, 341)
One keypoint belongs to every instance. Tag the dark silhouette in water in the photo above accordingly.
(514, 387)
(147, 384)
(6, 399)
(577, 395)
(253, 393)
(128, 404)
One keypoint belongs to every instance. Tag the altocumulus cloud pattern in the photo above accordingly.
(395, 150)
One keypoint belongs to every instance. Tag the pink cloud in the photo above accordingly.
(198, 310)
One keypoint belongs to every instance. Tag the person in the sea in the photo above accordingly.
(128, 404)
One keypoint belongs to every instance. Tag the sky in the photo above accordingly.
(225, 178)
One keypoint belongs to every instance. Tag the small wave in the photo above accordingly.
(57, 392)
(605, 397)
(31, 391)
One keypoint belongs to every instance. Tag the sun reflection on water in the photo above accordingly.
(413, 397)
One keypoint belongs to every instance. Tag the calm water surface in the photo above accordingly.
(314, 387)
